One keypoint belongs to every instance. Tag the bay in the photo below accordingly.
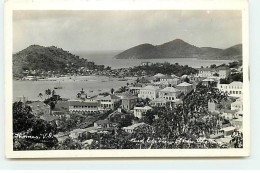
(107, 58)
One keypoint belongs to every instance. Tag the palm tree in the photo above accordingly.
(112, 91)
(78, 95)
(48, 92)
(40, 95)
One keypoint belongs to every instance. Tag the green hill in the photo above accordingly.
(37, 57)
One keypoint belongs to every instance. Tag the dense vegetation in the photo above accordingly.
(164, 68)
(41, 58)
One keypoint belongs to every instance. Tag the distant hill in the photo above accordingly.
(179, 49)
(37, 57)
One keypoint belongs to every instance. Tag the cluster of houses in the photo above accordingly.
(159, 90)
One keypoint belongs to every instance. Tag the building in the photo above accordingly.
(234, 89)
(206, 72)
(135, 90)
(185, 87)
(149, 91)
(108, 102)
(61, 109)
(145, 64)
(83, 107)
(160, 102)
(172, 81)
(103, 124)
(238, 106)
(128, 101)
(223, 72)
(220, 72)
(132, 128)
(169, 93)
(159, 75)
(40, 108)
(138, 111)
(208, 82)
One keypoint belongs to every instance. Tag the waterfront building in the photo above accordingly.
(185, 87)
(83, 107)
(234, 89)
(108, 102)
(138, 111)
(149, 91)
(169, 93)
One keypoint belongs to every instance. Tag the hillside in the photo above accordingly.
(37, 57)
(179, 49)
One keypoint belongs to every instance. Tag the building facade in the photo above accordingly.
(138, 111)
(149, 91)
(185, 87)
(234, 89)
(169, 93)
(83, 107)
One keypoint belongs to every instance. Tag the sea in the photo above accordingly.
(93, 85)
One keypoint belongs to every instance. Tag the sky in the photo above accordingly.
(120, 30)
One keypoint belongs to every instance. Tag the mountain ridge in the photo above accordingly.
(179, 48)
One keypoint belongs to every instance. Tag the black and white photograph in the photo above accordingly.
(141, 80)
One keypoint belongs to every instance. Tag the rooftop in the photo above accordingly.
(132, 127)
(159, 75)
(35, 105)
(150, 87)
(145, 107)
(184, 84)
(82, 103)
(170, 89)
(160, 100)
(103, 122)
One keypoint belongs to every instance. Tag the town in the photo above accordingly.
(161, 109)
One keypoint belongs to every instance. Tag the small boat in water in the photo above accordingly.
(58, 87)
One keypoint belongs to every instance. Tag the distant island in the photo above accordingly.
(180, 49)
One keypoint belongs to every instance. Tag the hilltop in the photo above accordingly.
(46, 59)
(179, 49)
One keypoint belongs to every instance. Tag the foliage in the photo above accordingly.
(165, 68)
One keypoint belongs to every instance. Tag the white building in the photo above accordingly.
(173, 81)
(234, 89)
(160, 102)
(130, 129)
(83, 107)
(108, 102)
(138, 111)
(149, 91)
(169, 93)
(237, 105)
(220, 72)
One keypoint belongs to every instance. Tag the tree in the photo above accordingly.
(40, 95)
(112, 90)
(48, 92)
(213, 66)
(22, 117)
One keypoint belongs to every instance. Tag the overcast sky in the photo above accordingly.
(120, 30)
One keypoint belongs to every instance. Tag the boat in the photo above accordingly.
(58, 87)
